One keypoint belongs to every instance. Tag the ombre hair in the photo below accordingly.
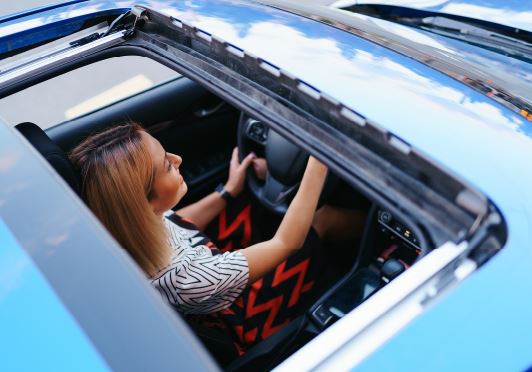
(117, 175)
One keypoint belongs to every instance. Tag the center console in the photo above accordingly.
(394, 248)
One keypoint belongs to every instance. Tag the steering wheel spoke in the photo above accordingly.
(275, 195)
(256, 131)
(285, 161)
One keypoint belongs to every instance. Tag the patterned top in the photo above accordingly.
(199, 279)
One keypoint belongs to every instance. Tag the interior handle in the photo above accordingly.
(208, 111)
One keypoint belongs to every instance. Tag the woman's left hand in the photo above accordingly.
(237, 173)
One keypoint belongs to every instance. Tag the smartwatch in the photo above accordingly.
(223, 193)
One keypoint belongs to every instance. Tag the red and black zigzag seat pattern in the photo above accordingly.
(278, 297)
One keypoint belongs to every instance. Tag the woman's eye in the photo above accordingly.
(169, 167)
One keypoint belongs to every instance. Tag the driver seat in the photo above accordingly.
(53, 154)
(268, 353)
(263, 356)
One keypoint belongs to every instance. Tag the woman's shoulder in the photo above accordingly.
(185, 233)
(182, 222)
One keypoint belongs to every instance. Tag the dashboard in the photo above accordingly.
(391, 226)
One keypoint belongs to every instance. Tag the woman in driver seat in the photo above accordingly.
(130, 183)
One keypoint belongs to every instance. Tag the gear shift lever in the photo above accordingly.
(391, 269)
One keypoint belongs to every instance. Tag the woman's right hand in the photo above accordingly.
(260, 167)
(263, 257)
(316, 167)
(237, 173)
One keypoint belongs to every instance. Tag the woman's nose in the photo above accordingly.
(176, 159)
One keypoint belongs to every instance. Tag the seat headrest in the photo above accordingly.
(52, 153)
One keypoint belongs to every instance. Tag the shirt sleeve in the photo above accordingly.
(200, 282)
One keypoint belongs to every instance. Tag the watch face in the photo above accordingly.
(220, 188)
(223, 192)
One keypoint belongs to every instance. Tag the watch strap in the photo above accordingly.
(224, 193)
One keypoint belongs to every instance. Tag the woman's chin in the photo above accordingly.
(182, 191)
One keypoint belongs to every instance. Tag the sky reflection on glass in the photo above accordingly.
(505, 16)
(509, 74)
(373, 80)
(513, 13)
(406, 97)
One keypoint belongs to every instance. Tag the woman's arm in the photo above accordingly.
(203, 211)
(263, 257)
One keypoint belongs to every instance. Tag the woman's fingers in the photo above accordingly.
(316, 164)
(260, 167)
(234, 158)
(247, 161)
(237, 172)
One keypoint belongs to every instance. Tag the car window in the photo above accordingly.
(84, 90)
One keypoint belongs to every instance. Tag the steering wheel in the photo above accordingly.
(286, 164)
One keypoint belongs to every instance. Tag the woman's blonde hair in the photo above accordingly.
(117, 176)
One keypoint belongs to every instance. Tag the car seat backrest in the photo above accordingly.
(57, 158)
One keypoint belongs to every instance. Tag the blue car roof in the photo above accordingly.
(465, 132)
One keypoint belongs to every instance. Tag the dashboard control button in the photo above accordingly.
(385, 216)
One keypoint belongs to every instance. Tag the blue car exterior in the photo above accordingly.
(512, 13)
(27, 331)
(483, 323)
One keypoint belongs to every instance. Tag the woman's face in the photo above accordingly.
(168, 186)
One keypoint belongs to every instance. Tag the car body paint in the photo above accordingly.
(31, 28)
(49, 338)
(497, 76)
(464, 131)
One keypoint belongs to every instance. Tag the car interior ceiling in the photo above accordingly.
(190, 121)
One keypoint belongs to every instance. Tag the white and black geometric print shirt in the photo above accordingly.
(199, 280)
